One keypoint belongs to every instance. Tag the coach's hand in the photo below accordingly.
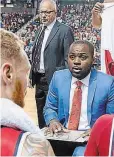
(97, 8)
(55, 127)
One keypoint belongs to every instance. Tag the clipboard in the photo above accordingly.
(71, 136)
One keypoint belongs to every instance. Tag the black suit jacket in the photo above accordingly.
(56, 50)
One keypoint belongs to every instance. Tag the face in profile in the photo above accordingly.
(80, 60)
(47, 13)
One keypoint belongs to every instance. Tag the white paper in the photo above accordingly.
(72, 136)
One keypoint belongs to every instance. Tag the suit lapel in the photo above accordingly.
(91, 92)
(52, 33)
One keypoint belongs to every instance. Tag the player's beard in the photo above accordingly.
(18, 94)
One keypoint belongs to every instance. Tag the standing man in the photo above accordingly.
(102, 15)
(49, 52)
(77, 97)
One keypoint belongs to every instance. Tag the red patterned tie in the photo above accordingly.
(76, 107)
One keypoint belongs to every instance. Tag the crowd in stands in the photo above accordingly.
(78, 16)
(14, 21)
(28, 33)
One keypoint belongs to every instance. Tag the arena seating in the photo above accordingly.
(14, 21)
(77, 16)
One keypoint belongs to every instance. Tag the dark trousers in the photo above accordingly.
(40, 96)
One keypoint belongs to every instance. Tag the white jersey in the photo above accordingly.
(107, 36)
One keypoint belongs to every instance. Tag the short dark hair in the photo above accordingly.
(84, 42)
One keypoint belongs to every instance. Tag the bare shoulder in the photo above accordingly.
(36, 146)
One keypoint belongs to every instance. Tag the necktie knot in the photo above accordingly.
(79, 84)
(44, 28)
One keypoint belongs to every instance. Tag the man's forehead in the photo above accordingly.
(79, 47)
(46, 5)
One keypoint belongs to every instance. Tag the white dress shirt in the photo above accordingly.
(46, 35)
(83, 124)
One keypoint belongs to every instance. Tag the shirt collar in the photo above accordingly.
(85, 81)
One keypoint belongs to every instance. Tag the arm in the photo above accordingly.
(100, 137)
(92, 145)
(68, 40)
(51, 109)
(91, 148)
(51, 105)
(96, 17)
(35, 146)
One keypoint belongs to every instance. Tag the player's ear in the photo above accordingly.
(7, 73)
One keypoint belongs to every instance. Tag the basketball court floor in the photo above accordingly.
(30, 106)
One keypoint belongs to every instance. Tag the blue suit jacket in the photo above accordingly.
(100, 96)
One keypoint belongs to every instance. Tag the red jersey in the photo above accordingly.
(10, 139)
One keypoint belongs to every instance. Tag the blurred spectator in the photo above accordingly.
(78, 16)
(14, 21)
(28, 34)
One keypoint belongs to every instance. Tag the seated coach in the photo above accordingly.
(78, 96)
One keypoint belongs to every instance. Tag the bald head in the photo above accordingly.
(50, 3)
(48, 11)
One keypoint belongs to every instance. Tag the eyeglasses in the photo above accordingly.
(46, 12)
